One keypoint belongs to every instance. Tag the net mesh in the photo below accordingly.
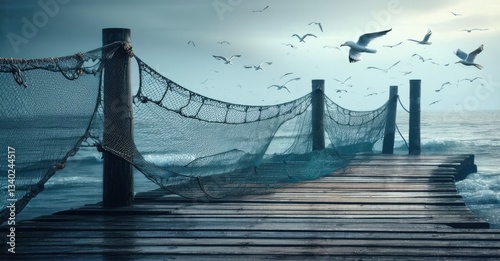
(187, 143)
(46, 107)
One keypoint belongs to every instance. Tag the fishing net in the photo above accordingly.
(187, 143)
(46, 107)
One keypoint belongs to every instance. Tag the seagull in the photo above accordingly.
(425, 40)
(223, 42)
(391, 46)
(304, 37)
(291, 45)
(360, 46)
(455, 14)
(475, 29)
(226, 60)
(330, 46)
(384, 70)
(471, 80)
(257, 67)
(421, 58)
(283, 85)
(288, 73)
(260, 10)
(442, 86)
(469, 59)
(434, 102)
(319, 24)
(191, 42)
(406, 73)
(340, 90)
(348, 78)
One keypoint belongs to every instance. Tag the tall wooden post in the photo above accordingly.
(318, 111)
(414, 131)
(390, 125)
(118, 185)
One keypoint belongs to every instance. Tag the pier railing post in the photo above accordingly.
(414, 131)
(118, 185)
(390, 125)
(318, 111)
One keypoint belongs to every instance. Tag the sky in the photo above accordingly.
(161, 30)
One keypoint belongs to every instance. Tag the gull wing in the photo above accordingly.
(473, 54)
(354, 56)
(248, 66)
(427, 36)
(234, 56)
(365, 39)
(310, 35)
(394, 65)
(461, 54)
(218, 57)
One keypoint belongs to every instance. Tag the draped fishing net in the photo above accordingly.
(187, 143)
(46, 107)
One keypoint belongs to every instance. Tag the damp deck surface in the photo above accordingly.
(378, 207)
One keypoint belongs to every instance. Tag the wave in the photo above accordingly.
(450, 146)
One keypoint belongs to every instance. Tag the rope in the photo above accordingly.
(402, 137)
(400, 103)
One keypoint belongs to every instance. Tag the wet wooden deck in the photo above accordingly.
(380, 207)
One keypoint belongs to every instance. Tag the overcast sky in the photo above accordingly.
(161, 31)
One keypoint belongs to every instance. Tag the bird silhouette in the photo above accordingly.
(468, 59)
(260, 10)
(301, 39)
(257, 67)
(384, 70)
(283, 86)
(226, 60)
(191, 42)
(392, 46)
(343, 82)
(475, 29)
(319, 25)
(442, 86)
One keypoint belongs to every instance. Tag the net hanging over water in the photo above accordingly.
(187, 143)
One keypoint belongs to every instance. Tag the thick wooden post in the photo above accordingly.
(318, 111)
(390, 125)
(118, 185)
(414, 131)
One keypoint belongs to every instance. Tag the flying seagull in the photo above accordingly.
(257, 67)
(469, 59)
(391, 46)
(348, 78)
(304, 37)
(291, 45)
(260, 10)
(471, 80)
(330, 46)
(475, 29)
(340, 90)
(226, 60)
(283, 85)
(384, 70)
(360, 46)
(406, 73)
(421, 58)
(191, 42)
(442, 86)
(223, 42)
(288, 73)
(319, 24)
(434, 102)
(425, 40)
(455, 14)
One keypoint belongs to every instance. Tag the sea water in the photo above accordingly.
(478, 133)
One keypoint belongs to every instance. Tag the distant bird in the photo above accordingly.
(360, 46)
(224, 42)
(455, 14)
(446, 64)
(191, 42)
(425, 40)
(304, 37)
(291, 45)
(475, 29)
(205, 81)
(384, 70)
(469, 59)
(406, 73)
(471, 80)
(421, 58)
(340, 90)
(226, 60)
(257, 67)
(442, 86)
(371, 94)
(348, 78)
(283, 85)
(288, 73)
(391, 46)
(434, 102)
(330, 46)
(260, 10)
(319, 24)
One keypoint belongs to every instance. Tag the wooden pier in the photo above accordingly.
(379, 207)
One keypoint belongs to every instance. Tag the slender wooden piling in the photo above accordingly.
(318, 111)
(390, 126)
(414, 131)
(118, 185)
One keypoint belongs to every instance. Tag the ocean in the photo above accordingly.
(473, 132)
